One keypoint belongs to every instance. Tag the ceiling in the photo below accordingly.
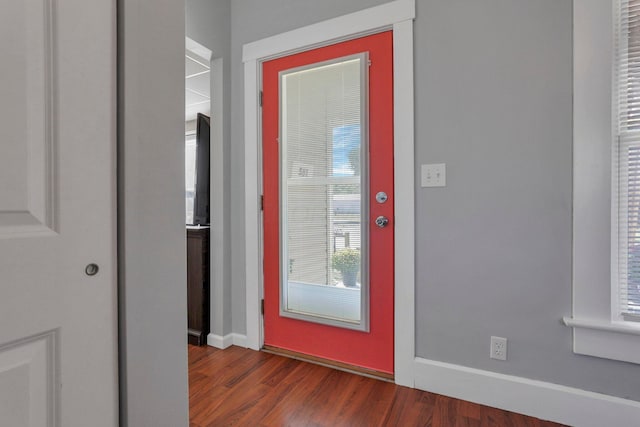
(197, 92)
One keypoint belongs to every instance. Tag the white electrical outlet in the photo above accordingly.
(498, 348)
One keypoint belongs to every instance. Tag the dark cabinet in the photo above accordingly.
(198, 284)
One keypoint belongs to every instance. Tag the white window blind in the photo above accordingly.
(322, 176)
(627, 158)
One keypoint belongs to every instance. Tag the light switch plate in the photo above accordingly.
(434, 175)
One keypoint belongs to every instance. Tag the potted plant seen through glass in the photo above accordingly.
(347, 262)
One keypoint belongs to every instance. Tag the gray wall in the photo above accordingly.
(493, 248)
(151, 235)
(208, 22)
(494, 101)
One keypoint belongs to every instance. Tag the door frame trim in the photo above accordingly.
(397, 16)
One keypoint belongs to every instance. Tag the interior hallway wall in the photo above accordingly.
(151, 233)
(208, 22)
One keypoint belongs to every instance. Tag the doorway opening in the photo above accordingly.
(197, 179)
(396, 16)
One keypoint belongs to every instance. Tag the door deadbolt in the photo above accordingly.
(381, 197)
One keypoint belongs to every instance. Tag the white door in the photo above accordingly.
(58, 324)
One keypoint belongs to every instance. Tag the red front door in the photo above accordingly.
(328, 202)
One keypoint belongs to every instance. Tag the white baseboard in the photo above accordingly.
(538, 399)
(222, 342)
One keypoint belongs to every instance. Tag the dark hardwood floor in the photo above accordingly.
(242, 387)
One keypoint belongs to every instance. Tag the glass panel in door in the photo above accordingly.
(323, 178)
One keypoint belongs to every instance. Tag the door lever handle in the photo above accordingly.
(382, 221)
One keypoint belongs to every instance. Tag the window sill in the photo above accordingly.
(621, 327)
(610, 340)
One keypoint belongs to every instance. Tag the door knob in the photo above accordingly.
(382, 221)
(91, 269)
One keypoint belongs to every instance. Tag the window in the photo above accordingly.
(606, 194)
(190, 174)
(324, 240)
(627, 158)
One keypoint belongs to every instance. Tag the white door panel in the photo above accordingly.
(27, 379)
(58, 326)
(26, 132)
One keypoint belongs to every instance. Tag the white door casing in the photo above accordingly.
(398, 16)
(58, 326)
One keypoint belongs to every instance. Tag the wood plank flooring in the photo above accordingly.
(242, 387)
